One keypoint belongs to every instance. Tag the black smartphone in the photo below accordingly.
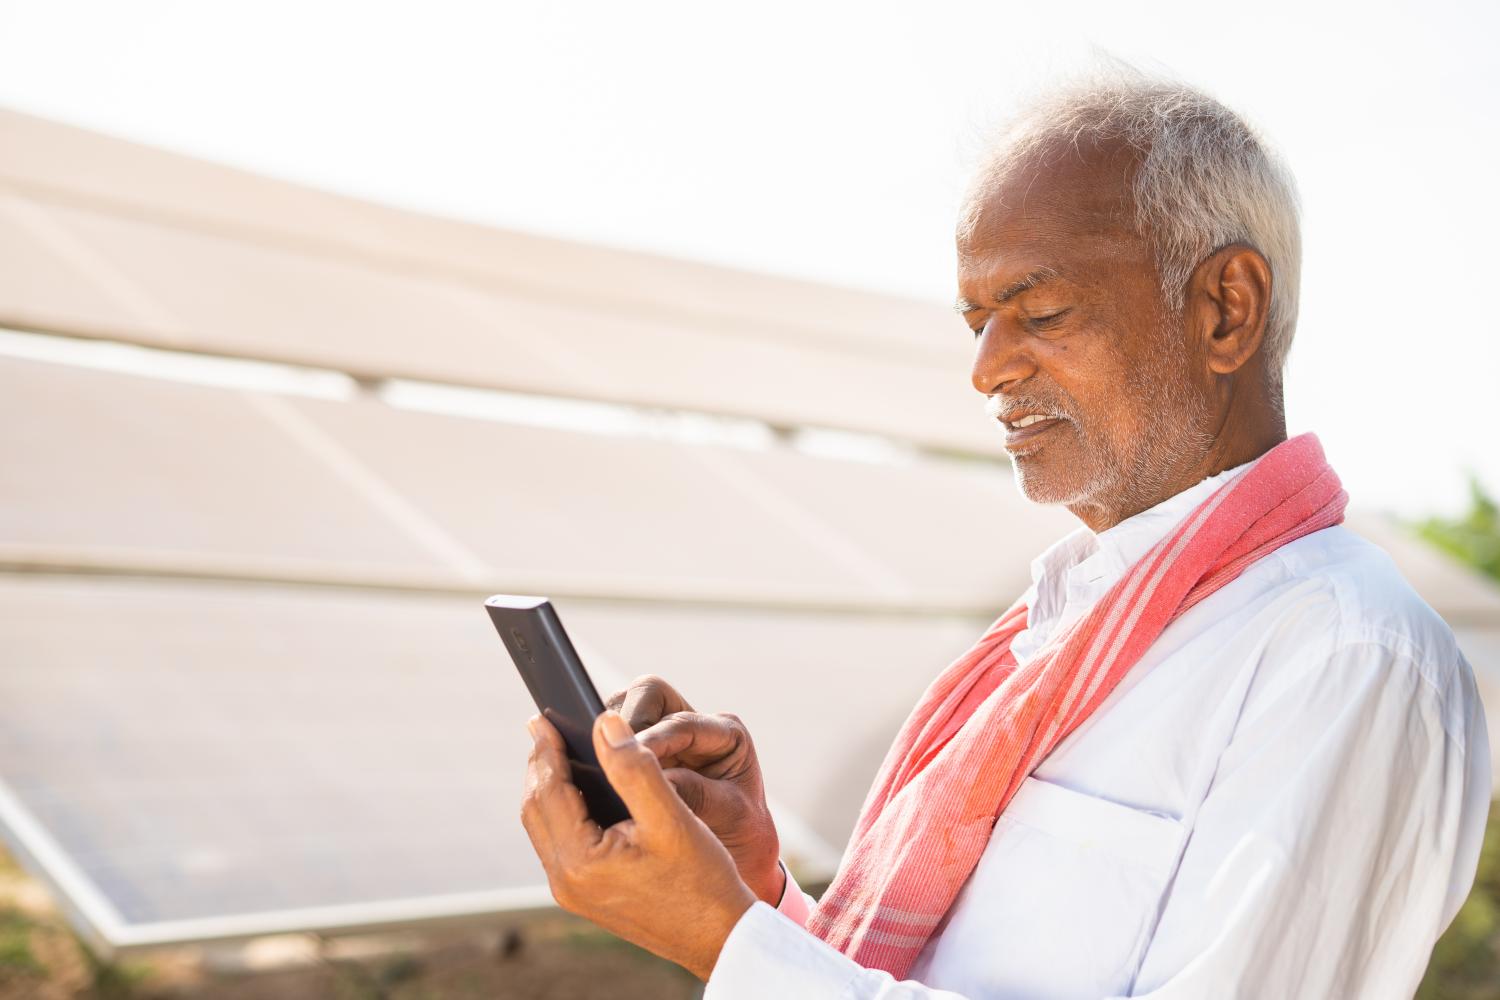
(562, 690)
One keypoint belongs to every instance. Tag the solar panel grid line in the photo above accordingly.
(376, 491)
(97, 269)
(544, 345)
(826, 536)
(52, 558)
(49, 560)
(42, 292)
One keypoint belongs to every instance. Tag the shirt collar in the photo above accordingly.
(1090, 562)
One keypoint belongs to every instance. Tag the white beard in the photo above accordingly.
(1119, 473)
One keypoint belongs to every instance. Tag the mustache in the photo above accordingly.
(997, 405)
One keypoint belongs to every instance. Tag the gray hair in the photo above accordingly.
(1206, 179)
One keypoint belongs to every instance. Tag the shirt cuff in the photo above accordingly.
(767, 955)
(795, 904)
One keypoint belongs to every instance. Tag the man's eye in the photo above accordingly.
(1044, 322)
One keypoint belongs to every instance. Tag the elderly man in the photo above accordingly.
(1219, 748)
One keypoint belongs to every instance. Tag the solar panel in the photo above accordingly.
(140, 472)
(61, 164)
(188, 760)
(39, 285)
(124, 472)
(701, 521)
(98, 272)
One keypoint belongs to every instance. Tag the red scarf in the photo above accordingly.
(985, 724)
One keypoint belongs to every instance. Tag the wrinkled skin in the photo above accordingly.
(711, 761)
(660, 879)
(1148, 400)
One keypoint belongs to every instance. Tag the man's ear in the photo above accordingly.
(1230, 297)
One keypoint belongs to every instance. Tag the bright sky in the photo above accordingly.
(830, 141)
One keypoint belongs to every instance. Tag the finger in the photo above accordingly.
(690, 788)
(707, 798)
(691, 739)
(717, 803)
(553, 803)
(616, 701)
(544, 733)
(647, 699)
(637, 778)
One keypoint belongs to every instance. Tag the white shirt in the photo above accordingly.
(1283, 798)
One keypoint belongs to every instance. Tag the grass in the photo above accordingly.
(1466, 960)
(16, 956)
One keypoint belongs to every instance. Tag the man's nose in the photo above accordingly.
(1000, 358)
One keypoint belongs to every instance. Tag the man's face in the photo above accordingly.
(1100, 396)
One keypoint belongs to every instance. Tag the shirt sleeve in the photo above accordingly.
(767, 955)
(1339, 835)
(795, 904)
(1338, 838)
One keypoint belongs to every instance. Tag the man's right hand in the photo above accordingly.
(711, 761)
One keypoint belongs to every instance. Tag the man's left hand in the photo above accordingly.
(660, 879)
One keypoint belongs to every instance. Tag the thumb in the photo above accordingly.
(636, 775)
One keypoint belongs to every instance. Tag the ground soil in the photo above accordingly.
(554, 958)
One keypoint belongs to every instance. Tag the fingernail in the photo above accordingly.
(616, 730)
(531, 727)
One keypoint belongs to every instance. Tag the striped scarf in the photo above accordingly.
(985, 724)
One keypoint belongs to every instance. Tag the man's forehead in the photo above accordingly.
(1062, 193)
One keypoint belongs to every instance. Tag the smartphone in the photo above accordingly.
(562, 690)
